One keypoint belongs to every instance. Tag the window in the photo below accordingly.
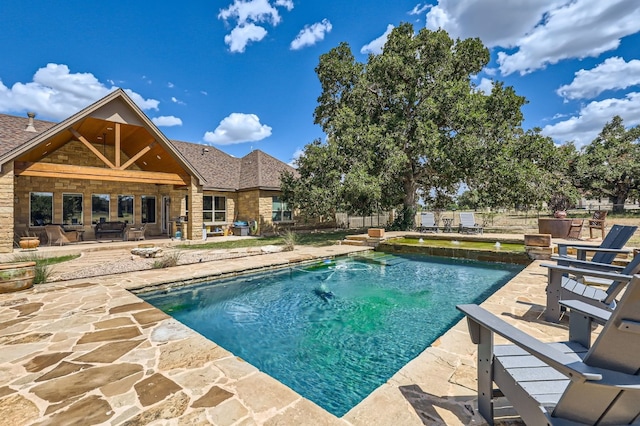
(148, 209)
(125, 208)
(280, 211)
(72, 209)
(220, 209)
(41, 208)
(99, 208)
(214, 209)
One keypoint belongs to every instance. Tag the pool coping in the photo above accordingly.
(203, 382)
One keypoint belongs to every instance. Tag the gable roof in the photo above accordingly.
(223, 172)
(215, 169)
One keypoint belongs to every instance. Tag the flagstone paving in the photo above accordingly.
(91, 352)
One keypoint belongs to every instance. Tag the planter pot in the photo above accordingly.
(29, 243)
(560, 214)
(376, 232)
(16, 276)
(557, 228)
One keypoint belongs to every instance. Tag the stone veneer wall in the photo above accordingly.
(7, 203)
(194, 226)
(257, 205)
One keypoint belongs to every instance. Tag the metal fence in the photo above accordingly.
(378, 220)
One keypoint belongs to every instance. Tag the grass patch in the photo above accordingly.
(315, 239)
(43, 264)
(168, 260)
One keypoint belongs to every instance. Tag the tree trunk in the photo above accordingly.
(409, 203)
(618, 201)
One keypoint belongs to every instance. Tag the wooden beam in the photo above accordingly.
(64, 171)
(117, 145)
(91, 148)
(133, 159)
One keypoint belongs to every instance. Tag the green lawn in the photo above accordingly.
(316, 239)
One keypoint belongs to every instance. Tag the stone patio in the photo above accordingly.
(91, 352)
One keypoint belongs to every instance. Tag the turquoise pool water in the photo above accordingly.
(336, 330)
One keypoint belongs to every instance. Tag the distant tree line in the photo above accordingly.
(410, 126)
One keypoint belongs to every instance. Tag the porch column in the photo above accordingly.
(194, 227)
(7, 205)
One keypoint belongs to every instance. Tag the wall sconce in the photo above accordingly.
(205, 150)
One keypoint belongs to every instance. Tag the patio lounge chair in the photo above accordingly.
(571, 283)
(597, 222)
(57, 235)
(608, 249)
(564, 383)
(428, 222)
(468, 223)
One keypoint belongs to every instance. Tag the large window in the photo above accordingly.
(148, 209)
(214, 209)
(72, 209)
(41, 208)
(125, 208)
(99, 208)
(280, 211)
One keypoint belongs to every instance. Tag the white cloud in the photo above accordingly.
(56, 93)
(166, 121)
(614, 73)
(170, 85)
(579, 29)
(297, 154)
(177, 101)
(240, 36)
(540, 31)
(495, 22)
(485, 86)
(238, 128)
(287, 4)
(245, 12)
(311, 34)
(376, 45)
(584, 127)
(419, 9)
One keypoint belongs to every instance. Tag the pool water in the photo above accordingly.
(336, 330)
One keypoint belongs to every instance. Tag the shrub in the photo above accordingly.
(42, 269)
(168, 260)
(290, 239)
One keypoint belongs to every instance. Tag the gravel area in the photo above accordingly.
(86, 267)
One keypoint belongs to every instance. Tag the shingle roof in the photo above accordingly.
(13, 133)
(220, 170)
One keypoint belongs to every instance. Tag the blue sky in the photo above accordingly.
(240, 74)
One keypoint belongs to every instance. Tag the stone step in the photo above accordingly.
(354, 242)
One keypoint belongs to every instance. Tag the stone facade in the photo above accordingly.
(7, 204)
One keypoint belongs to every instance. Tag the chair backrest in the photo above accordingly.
(598, 215)
(427, 219)
(616, 238)
(55, 234)
(616, 287)
(467, 219)
(616, 348)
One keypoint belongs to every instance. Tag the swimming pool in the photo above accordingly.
(336, 330)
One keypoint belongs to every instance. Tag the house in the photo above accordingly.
(110, 163)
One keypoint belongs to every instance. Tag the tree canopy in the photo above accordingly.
(410, 124)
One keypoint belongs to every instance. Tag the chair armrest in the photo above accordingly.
(599, 315)
(590, 272)
(478, 317)
(596, 221)
(585, 264)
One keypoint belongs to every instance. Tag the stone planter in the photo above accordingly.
(16, 276)
(29, 243)
(376, 232)
(557, 228)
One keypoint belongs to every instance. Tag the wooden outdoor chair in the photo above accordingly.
(597, 222)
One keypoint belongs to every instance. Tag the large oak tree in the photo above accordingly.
(406, 123)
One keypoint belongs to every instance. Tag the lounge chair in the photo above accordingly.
(57, 235)
(597, 222)
(136, 233)
(571, 282)
(428, 222)
(468, 223)
(608, 249)
(564, 383)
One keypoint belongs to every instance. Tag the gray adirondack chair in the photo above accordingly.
(468, 223)
(608, 249)
(428, 222)
(564, 383)
(570, 282)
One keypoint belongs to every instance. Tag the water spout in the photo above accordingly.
(497, 244)
(456, 242)
(421, 241)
